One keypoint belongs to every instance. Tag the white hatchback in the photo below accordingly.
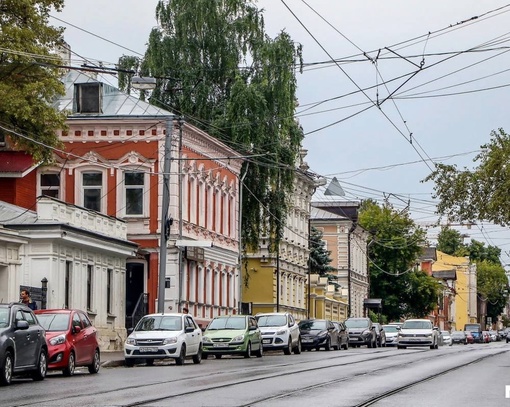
(280, 331)
(164, 336)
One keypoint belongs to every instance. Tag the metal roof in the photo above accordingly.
(15, 163)
(114, 101)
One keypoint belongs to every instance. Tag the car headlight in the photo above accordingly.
(322, 334)
(366, 332)
(131, 341)
(238, 338)
(281, 332)
(57, 340)
(170, 340)
(206, 339)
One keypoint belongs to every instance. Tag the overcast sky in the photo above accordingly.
(443, 113)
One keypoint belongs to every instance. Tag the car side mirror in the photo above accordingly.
(189, 329)
(252, 328)
(22, 325)
(130, 331)
(76, 329)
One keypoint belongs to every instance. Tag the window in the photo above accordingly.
(50, 185)
(109, 286)
(92, 190)
(90, 270)
(67, 288)
(88, 97)
(29, 317)
(76, 321)
(85, 321)
(134, 192)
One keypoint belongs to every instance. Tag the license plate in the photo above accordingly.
(148, 350)
(266, 340)
(221, 345)
(306, 340)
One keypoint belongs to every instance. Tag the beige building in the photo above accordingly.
(347, 242)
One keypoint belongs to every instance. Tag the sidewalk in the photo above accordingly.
(112, 358)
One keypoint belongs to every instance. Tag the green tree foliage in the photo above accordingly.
(394, 247)
(480, 194)
(29, 80)
(451, 241)
(319, 256)
(196, 53)
(492, 284)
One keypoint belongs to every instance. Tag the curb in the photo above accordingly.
(112, 363)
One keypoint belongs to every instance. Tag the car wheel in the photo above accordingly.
(260, 352)
(198, 357)
(149, 362)
(96, 363)
(328, 345)
(182, 355)
(401, 347)
(297, 348)
(7, 368)
(247, 354)
(288, 349)
(205, 355)
(71, 365)
(42, 367)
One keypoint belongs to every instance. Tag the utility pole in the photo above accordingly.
(165, 223)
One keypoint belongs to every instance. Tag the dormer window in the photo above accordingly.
(88, 97)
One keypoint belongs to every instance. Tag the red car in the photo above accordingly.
(469, 337)
(72, 340)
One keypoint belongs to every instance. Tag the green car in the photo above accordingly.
(232, 335)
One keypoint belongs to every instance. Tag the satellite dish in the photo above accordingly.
(334, 188)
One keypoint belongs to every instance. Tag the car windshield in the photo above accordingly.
(54, 322)
(417, 325)
(390, 328)
(313, 325)
(356, 323)
(272, 320)
(227, 323)
(4, 317)
(159, 323)
(458, 333)
(445, 333)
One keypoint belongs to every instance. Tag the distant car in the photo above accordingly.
(317, 334)
(164, 336)
(459, 337)
(233, 335)
(361, 332)
(418, 332)
(486, 337)
(23, 348)
(72, 340)
(446, 338)
(381, 335)
(495, 337)
(391, 332)
(343, 335)
(280, 331)
(469, 337)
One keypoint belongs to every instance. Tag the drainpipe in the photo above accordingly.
(349, 278)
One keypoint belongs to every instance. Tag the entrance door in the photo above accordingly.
(135, 283)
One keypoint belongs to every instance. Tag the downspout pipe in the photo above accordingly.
(349, 268)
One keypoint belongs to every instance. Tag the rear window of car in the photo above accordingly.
(4, 317)
(54, 322)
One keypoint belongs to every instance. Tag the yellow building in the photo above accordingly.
(464, 290)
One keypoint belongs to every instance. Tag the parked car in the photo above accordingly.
(486, 337)
(459, 337)
(343, 335)
(72, 340)
(318, 333)
(391, 332)
(233, 335)
(23, 348)
(469, 337)
(381, 335)
(476, 331)
(446, 338)
(495, 337)
(280, 331)
(418, 332)
(361, 332)
(164, 336)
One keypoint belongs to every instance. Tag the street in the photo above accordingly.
(463, 375)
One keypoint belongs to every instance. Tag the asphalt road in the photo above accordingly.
(459, 375)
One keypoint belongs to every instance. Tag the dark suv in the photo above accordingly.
(23, 347)
(361, 332)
